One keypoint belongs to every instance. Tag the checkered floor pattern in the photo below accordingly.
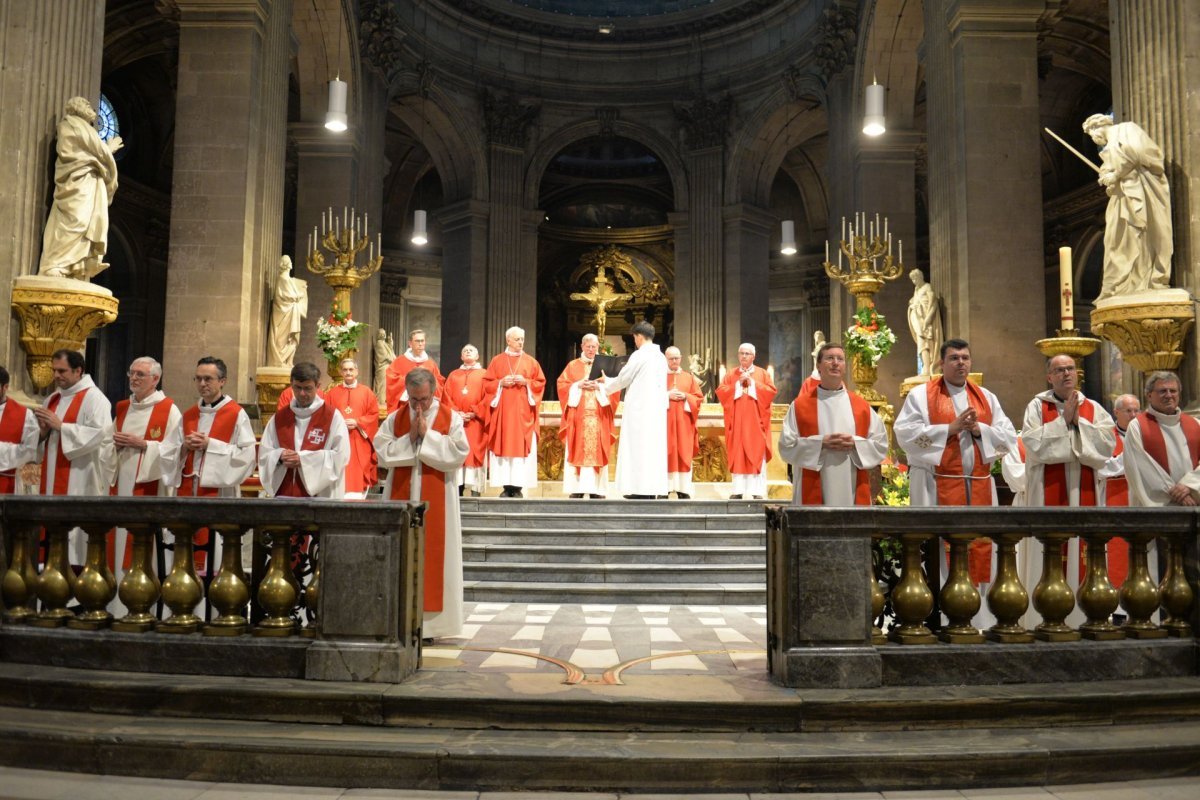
(519, 637)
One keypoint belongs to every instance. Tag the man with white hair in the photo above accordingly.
(360, 410)
(142, 448)
(514, 383)
(1162, 449)
(588, 420)
(464, 392)
(746, 395)
(683, 412)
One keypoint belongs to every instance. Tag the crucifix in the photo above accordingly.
(600, 296)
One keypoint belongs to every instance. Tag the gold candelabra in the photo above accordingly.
(344, 238)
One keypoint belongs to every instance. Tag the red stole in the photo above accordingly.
(433, 493)
(156, 428)
(315, 438)
(806, 421)
(951, 490)
(1055, 491)
(224, 422)
(1156, 446)
(62, 465)
(12, 427)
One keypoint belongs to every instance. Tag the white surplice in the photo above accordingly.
(14, 455)
(323, 472)
(223, 466)
(642, 450)
(445, 453)
(1149, 483)
(838, 468)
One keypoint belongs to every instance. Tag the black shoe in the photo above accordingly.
(596, 496)
(758, 497)
(682, 496)
(461, 489)
(511, 491)
(427, 641)
(735, 497)
(578, 496)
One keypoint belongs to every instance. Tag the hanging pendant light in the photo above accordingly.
(874, 123)
(788, 247)
(420, 234)
(335, 117)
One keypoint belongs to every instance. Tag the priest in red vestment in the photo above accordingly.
(360, 410)
(588, 419)
(1116, 490)
(415, 356)
(683, 442)
(746, 395)
(18, 439)
(464, 392)
(514, 383)
(306, 446)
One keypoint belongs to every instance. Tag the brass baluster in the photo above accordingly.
(1097, 597)
(20, 579)
(1139, 594)
(312, 592)
(1176, 593)
(57, 581)
(912, 598)
(181, 590)
(139, 587)
(960, 599)
(229, 593)
(95, 585)
(279, 590)
(1052, 597)
(1007, 599)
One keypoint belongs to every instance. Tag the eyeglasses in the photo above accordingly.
(205, 379)
(137, 373)
(1062, 370)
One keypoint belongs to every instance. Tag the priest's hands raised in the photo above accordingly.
(1071, 408)
(419, 427)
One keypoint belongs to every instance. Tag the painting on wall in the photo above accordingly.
(429, 319)
(789, 351)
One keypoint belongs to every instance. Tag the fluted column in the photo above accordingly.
(227, 199)
(1153, 72)
(993, 237)
(464, 279)
(49, 53)
(699, 276)
(748, 232)
(512, 280)
(844, 132)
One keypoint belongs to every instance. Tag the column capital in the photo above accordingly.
(200, 13)
(314, 140)
(980, 17)
(751, 217)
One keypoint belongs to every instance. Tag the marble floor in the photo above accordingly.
(28, 784)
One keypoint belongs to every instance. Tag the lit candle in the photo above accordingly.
(1065, 293)
(345, 218)
(826, 251)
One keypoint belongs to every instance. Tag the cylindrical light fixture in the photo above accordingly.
(873, 119)
(335, 117)
(788, 247)
(420, 235)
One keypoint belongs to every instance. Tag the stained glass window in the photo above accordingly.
(107, 120)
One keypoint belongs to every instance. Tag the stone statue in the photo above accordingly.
(1137, 224)
(703, 373)
(818, 341)
(85, 180)
(924, 323)
(385, 354)
(289, 307)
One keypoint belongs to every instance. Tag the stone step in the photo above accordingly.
(613, 554)
(616, 537)
(602, 521)
(658, 507)
(613, 573)
(729, 594)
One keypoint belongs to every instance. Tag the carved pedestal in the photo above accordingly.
(1148, 328)
(56, 313)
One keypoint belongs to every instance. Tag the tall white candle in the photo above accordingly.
(1066, 296)
(843, 227)
(826, 251)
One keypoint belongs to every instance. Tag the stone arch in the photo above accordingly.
(551, 145)
(889, 36)
(455, 145)
(327, 46)
(777, 126)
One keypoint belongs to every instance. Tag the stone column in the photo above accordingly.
(844, 133)
(987, 51)
(1153, 75)
(748, 232)
(226, 202)
(699, 275)
(327, 177)
(49, 53)
(886, 173)
(465, 280)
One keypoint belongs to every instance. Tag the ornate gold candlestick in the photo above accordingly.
(344, 238)
(1069, 342)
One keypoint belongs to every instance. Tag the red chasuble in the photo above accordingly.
(402, 365)
(513, 421)
(747, 422)
(586, 429)
(464, 390)
(361, 405)
(807, 424)
(62, 465)
(1055, 491)
(316, 436)
(12, 426)
(683, 440)
(433, 493)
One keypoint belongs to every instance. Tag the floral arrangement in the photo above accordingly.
(893, 490)
(606, 348)
(338, 333)
(869, 339)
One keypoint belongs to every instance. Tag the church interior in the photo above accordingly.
(699, 160)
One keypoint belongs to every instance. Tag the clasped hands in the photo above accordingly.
(1182, 495)
(512, 380)
(968, 420)
(840, 442)
(122, 439)
(419, 428)
(675, 394)
(196, 441)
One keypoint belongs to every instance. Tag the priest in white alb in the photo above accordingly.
(306, 446)
(1162, 449)
(642, 452)
(832, 438)
(18, 439)
(423, 444)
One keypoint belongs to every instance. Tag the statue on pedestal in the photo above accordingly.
(289, 307)
(818, 342)
(85, 180)
(924, 323)
(703, 373)
(385, 354)
(1137, 224)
